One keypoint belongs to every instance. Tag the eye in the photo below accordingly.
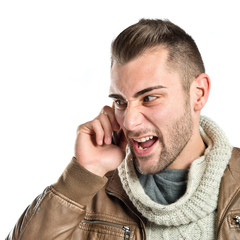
(120, 104)
(149, 98)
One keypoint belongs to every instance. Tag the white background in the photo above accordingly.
(54, 75)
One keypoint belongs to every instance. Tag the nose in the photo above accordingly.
(133, 118)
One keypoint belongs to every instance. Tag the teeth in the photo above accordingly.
(142, 148)
(143, 139)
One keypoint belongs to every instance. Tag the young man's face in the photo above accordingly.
(152, 109)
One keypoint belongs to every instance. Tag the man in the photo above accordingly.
(159, 176)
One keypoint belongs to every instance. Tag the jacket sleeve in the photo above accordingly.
(56, 213)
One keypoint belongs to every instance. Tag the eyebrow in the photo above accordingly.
(137, 94)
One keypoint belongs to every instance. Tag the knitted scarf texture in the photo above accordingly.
(193, 216)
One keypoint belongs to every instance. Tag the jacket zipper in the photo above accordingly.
(126, 229)
(237, 219)
(127, 232)
(235, 198)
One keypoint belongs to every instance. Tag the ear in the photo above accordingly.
(201, 89)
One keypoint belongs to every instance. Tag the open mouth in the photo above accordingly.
(143, 144)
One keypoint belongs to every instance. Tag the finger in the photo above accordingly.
(107, 128)
(111, 115)
(85, 128)
(98, 130)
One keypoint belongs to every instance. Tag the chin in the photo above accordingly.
(148, 167)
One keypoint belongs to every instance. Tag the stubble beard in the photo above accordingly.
(179, 135)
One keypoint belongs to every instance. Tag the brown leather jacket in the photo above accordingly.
(82, 205)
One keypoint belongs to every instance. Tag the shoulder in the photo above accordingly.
(229, 201)
(230, 183)
(233, 167)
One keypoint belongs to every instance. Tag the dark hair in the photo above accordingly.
(183, 53)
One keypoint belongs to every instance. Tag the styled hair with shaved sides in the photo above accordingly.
(147, 34)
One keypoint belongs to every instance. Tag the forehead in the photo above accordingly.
(148, 70)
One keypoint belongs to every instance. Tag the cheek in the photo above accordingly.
(160, 119)
(119, 117)
(157, 115)
(165, 113)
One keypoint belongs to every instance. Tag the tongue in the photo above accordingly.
(148, 143)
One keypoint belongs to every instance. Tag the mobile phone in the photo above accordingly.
(115, 138)
(118, 138)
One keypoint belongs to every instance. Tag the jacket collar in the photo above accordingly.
(114, 186)
(230, 186)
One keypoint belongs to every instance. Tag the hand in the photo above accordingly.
(94, 149)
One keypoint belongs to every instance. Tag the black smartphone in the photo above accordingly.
(115, 138)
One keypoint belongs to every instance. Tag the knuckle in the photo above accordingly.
(102, 116)
(95, 122)
(106, 107)
(106, 110)
(81, 128)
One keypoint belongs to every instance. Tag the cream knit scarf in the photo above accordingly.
(193, 215)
